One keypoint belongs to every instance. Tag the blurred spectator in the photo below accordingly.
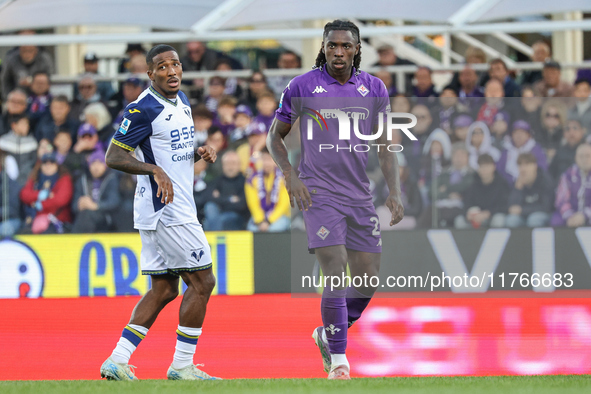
(469, 92)
(123, 215)
(267, 198)
(473, 55)
(232, 87)
(388, 57)
(574, 134)
(47, 196)
(58, 118)
(411, 200)
(551, 85)
(521, 141)
(97, 115)
(530, 109)
(201, 58)
(582, 108)
(451, 185)
(266, 106)
(499, 130)
(224, 119)
(216, 92)
(87, 143)
(400, 103)
(96, 198)
(227, 209)
(10, 224)
(388, 81)
(447, 108)
(131, 51)
(63, 145)
(130, 91)
(479, 142)
(541, 53)
(22, 145)
(138, 65)
(485, 203)
(530, 200)
(242, 125)
(88, 94)
(287, 60)
(424, 91)
(414, 149)
(257, 84)
(16, 104)
(217, 140)
(498, 70)
(19, 66)
(554, 116)
(461, 124)
(436, 157)
(203, 120)
(494, 101)
(91, 66)
(39, 97)
(9, 165)
(200, 194)
(573, 196)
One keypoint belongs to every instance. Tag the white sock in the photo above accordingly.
(338, 359)
(186, 343)
(130, 338)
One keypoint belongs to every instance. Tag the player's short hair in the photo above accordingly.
(526, 158)
(485, 159)
(157, 50)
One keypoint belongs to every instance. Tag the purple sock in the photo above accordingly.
(333, 308)
(356, 304)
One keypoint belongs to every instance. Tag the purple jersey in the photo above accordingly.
(337, 173)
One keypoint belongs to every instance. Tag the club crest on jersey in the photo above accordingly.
(319, 89)
(363, 90)
(323, 232)
(188, 112)
(124, 126)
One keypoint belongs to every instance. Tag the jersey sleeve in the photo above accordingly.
(286, 113)
(134, 128)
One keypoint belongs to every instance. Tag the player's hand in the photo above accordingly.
(394, 204)
(207, 153)
(297, 191)
(165, 189)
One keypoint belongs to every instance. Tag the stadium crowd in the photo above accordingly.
(494, 148)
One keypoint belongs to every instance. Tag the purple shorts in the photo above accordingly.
(330, 223)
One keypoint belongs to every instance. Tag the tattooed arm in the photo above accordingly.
(276, 146)
(122, 160)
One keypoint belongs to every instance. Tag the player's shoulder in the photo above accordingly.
(373, 83)
(183, 97)
(145, 108)
(308, 78)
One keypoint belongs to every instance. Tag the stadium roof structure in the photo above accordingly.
(212, 20)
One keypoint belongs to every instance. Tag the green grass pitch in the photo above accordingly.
(430, 385)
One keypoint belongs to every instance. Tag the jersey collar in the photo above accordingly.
(155, 93)
(330, 80)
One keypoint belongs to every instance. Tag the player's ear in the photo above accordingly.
(150, 73)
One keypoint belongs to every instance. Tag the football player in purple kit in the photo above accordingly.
(332, 189)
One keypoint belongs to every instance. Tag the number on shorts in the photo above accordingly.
(376, 223)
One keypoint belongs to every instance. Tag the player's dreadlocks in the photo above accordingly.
(340, 25)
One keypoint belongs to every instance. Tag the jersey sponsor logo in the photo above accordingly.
(169, 116)
(125, 123)
(319, 89)
(187, 156)
(332, 329)
(133, 111)
(323, 232)
(363, 90)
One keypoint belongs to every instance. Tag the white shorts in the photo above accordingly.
(174, 249)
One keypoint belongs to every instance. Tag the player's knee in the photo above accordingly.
(208, 283)
(169, 294)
